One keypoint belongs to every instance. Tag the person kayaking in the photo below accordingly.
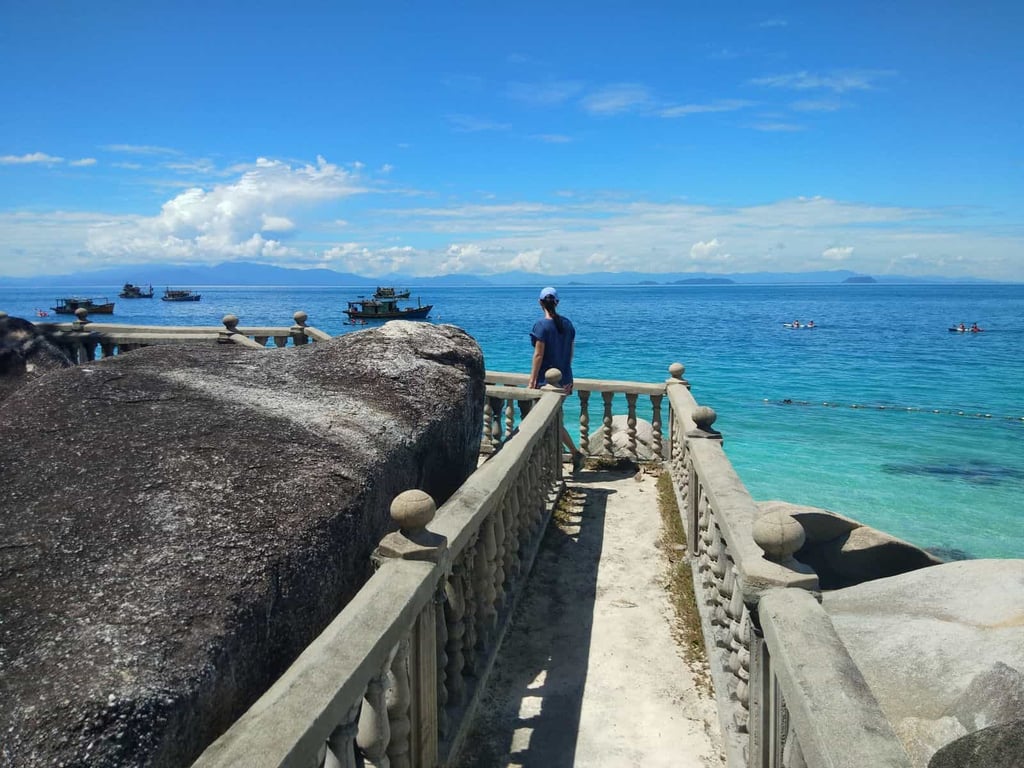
(974, 328)
(962, 328)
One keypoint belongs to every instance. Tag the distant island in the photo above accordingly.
(704, 281)
(860, 279)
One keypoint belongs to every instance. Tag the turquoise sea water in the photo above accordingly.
(922, 434)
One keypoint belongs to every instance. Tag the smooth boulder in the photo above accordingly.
(179, 522)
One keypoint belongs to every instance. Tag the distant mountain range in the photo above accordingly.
(245, 273)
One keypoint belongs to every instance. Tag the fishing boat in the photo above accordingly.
(387, 292)
(135, 292)
(67, 306)
(385, 309)
(177, 294)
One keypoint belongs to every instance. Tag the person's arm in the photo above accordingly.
(538, 358)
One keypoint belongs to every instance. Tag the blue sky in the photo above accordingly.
(437, 138)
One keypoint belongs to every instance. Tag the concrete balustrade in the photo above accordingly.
(396, 677)
(85, 340)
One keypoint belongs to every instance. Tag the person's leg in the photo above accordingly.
(577, 456)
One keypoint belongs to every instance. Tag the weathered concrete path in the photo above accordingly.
(589, 673)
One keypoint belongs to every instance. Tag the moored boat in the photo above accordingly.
(388, 292)
(67, 306)
(385, 309)
(178, 294)
(130, 291)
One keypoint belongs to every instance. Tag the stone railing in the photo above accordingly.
(757, 603)
(395, 678)
(507, 390)
(818, 709)
(84, 340)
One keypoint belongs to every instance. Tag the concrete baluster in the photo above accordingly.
(341, 745)
(510, 417)
(511, 546)
(631, 424)
(298, 331)
(441, 644)
(739, 663)
(484, 568)
(495, 422)
(374, 731)
(107, 348)
(499, 525)
(472, 606)
(454, 620)
(488, 420)
(281, 341)
(584, 421)
(656, 427)
(606, 430)
(261, 340)
(792, 754)
(399, 703)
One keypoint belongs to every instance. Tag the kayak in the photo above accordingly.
(966, 330)
(795, 326)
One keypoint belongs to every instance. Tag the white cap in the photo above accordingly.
(549, 291)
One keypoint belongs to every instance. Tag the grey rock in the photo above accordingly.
(998, 746)
(843, 552)
(620, 438)
(994, 696)
(922, 639)
(179, 522)
(26, 353)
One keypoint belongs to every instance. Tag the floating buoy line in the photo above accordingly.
(899, 408)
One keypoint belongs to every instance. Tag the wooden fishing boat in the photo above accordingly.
(67, 306)
(385, 309)
(135, 292)
(180, 295)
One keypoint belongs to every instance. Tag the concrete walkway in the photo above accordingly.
(589, 673)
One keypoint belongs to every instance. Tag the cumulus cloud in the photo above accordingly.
(229, 221)
(837, 253)
(33, 157)
(83, 162)
(701, 250)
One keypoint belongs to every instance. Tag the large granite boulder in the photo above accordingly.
(26, 353)
(941, 648)
(844, 552)
(177, 523)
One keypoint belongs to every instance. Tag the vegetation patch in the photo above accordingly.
(679, 581)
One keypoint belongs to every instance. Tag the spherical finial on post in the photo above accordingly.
(704, 417)
(779, 535)
(300, 317)
(676, 371)
(413, 510)
(81, 317)
(230, 322)
(553, 377)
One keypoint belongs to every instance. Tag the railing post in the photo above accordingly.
(230, 329)
(413, 714)
(631, 425)
(298, 331)
(584, 421)
(606, 431)
(656, 427)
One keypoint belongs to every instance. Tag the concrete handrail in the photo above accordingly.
(814, 705)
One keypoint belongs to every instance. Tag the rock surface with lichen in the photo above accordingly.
(178, 523)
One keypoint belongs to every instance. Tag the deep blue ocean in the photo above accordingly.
(878, 413)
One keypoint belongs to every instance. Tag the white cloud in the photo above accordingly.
(228, 221)
(140, 149)
(616, 99)
(701, 250)
(837, 253)
(725, 105)
(33, 157)
(777, 126)
(839, 82)
(85, 161)
(552, 138)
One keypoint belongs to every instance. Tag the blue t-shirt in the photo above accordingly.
(557, 347)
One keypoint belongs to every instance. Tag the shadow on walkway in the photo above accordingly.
(530, 714)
